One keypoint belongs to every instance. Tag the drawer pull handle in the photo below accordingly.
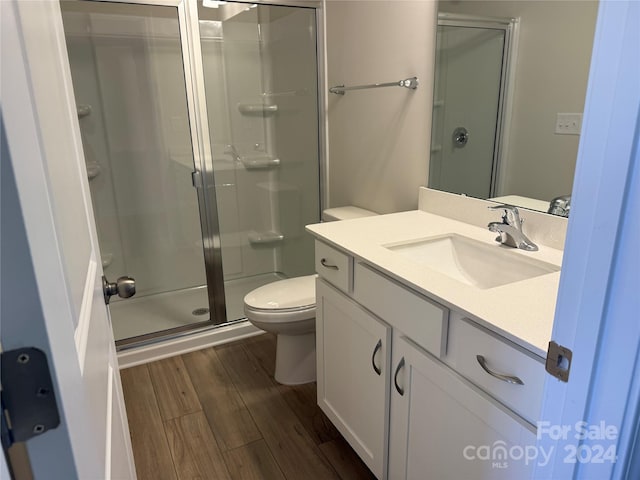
(395, 377)
(376, 369)
(324, 263)
(505, 378)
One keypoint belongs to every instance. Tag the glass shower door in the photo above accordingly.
(129, 82)
(261, 83)
(202, 156)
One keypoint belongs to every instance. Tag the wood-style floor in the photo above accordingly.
(219, 414)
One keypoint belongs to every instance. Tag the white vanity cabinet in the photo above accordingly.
(353, 373)
(443, 428)
(398, 375)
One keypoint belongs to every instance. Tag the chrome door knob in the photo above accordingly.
(124, 287)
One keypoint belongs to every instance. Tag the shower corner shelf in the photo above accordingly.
(107, 259)
(93, 170)
(259, 162)
(257, 108)
(83, 110)
(265, 238)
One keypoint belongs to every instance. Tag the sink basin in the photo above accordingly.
(472, 262)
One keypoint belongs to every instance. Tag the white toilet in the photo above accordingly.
(288, 309)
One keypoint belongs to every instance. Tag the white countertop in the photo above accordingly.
(521, 311)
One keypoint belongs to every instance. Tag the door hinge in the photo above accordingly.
(558, 361)
(28, 401)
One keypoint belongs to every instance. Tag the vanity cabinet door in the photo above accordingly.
(442, 428)
(353, 353)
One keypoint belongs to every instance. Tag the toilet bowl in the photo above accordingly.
(288, 309)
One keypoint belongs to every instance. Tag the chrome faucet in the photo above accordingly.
(510, 229)
(560, 206)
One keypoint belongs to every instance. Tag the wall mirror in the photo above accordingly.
(510, 84)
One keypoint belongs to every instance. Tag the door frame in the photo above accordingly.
(597, 304)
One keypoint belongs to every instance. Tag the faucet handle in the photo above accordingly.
(511, 214)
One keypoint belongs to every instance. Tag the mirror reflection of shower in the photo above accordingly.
(259, 71)
(469, 94)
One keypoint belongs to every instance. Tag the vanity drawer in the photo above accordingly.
(421, 320)
(468, 340)
(334, 266)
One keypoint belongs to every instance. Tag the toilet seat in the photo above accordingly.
(280, 316)
(290, 300)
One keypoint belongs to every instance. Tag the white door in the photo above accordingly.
(597, 307)
(51, 272)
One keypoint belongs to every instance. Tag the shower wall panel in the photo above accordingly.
(94, 140)
(290, 42)
(234, 77)
(260, 70)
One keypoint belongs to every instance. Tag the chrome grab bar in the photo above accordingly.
(411, 83)
(505, 378)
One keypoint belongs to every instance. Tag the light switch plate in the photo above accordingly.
(568, 123)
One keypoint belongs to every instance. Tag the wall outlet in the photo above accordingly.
(568, 123)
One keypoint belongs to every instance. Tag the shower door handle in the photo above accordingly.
(124, 287)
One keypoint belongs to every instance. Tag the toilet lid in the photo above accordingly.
(291, 293)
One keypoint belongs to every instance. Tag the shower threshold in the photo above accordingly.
(165, 315)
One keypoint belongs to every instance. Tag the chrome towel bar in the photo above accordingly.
(411, 83)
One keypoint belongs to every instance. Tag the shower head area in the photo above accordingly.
(200, 129)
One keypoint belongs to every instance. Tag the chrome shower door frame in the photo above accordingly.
(204, 179)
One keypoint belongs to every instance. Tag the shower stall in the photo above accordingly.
(200, 126)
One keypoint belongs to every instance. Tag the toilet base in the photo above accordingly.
(296, 359)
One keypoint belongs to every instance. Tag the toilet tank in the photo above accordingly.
(345, 213)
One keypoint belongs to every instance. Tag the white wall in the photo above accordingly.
(554, 54)
(379, 139)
